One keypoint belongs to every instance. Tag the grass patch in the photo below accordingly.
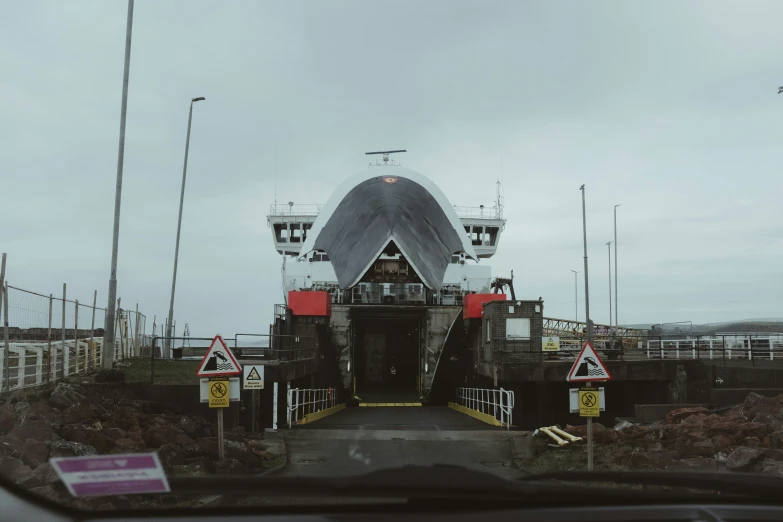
(167, 371)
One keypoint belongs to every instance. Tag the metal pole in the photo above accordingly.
(587, 285)
(66, 353)
(576, 298)
(110, 310)
(49, 376)
(616, 316)
(221, 442)
(274, 406)
(179, 225)
(92, 328)
(609, 246)
(589, 437)
(76, 336)
(7, 346)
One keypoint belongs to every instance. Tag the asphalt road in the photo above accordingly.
(359, 440)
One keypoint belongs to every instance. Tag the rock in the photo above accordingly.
(193, 428)
(170, 455)
(129, 445)
(46, 474)
(52, 492)
(756, 405)
(774, 440)
(240, 452)
(9, 464)
(743, 458)
(7, 418)
(204, 446)
(230, 466)
(38, 430)
(79, 413)
(721, 442)
(64, 448)
(18, 472)
(706, 444)
(41, 410)
(35, 452)
(101, 442)
(655, 446)
(773, 454)
(65, 395)
(600, 433)
(165, 434)
(115, 433)
(188, 470)
(109, 376)
(676, 416)
(204, 462)
(752, 442)
(700, 464)
(76, 433)
(10, 446)
(620, 426)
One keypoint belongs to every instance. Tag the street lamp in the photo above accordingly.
(588, 324)
(576, 298)
(609, 246)
(616, 316)
(179, 225)
(111, 306)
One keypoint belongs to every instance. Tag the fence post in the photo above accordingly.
(771, 357)
(49, 376)
(136, 333)
(118, 329)
(693, 349)
(7, 346)
(66, 353)
(76, 336)
(660, 345)
(92, 329)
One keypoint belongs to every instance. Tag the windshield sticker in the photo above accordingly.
(111, 475)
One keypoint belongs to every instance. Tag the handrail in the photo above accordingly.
(497, 403)
(306, 401)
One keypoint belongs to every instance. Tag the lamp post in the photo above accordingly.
(609, 246)
(616, 300)
(587, 284)
(179, 225)
(576, 298)
(111, 310)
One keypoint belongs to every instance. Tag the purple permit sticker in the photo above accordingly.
(111, 474)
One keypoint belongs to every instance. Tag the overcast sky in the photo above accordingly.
(668, 108)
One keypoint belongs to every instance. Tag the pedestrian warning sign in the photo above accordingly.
(218, 361)
(550, 344)
(218, 393)
(589, 405)
(588, 367)
(253, 377)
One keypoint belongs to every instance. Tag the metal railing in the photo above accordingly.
(763, 347)
(388, 293)
(497, 403)
(478, 212)
(284, 209)
(304, 402)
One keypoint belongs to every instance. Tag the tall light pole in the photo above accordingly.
(587, 284)
(609, 246)
(576, 298)
(111, 311)
(179, 225)
(616, 300)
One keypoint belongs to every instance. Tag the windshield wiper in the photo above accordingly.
(746, 484)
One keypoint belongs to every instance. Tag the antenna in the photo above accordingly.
(275, 177)
(385, 155)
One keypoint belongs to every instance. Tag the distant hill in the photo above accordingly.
(728, 327)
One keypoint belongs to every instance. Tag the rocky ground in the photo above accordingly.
(95, 417)
(744, 438)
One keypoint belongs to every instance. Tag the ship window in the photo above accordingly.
(281, 233)
(475, 237)
(296, 233)
(493, 235)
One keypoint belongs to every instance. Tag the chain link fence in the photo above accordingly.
(46, 337)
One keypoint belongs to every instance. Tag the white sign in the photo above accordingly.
(233, 389)
(573, 399)
(218, 361)
(550, 343)
(588, 367)
(253, 377)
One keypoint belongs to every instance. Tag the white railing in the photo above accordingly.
(724, 347)
(495, 403)
(478, 212)
(304, 402)
(301, 209)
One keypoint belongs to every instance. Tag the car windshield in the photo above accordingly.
(249, 243)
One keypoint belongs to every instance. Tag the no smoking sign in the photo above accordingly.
(588, 402)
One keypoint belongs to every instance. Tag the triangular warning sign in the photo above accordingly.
(218, 361)
(253, 375)
(588, 367)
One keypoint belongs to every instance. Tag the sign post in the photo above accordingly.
(253, 380)
(588, 367)
(216, 367)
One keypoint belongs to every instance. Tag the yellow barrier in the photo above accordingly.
(483, 417)
(312, 417)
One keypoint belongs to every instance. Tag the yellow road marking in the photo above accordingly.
(483, 417)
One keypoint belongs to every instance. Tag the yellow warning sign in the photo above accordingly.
(218, 393)
(550, 344)
(588, 402)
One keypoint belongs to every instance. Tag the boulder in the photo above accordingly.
(756, 405)
(240, 451)
(171, 455)
(676, 416)
(743, 458)
(705, 444)
(38, 430)
(193, 428)
(620, 426)
(187, 470)
(165, 434)
(7, 418)
(773, 454)
(772, 467)
(129, 445)
(79, 413)
(10, 446)
(53, 493)
(35, 452)
(76, 433)
(40, 410)
(115, 433)
(18, 472)
(46, 474)
(65, 395)
(64, 448)
(207, 446)
(721, 442)
(230, 466)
